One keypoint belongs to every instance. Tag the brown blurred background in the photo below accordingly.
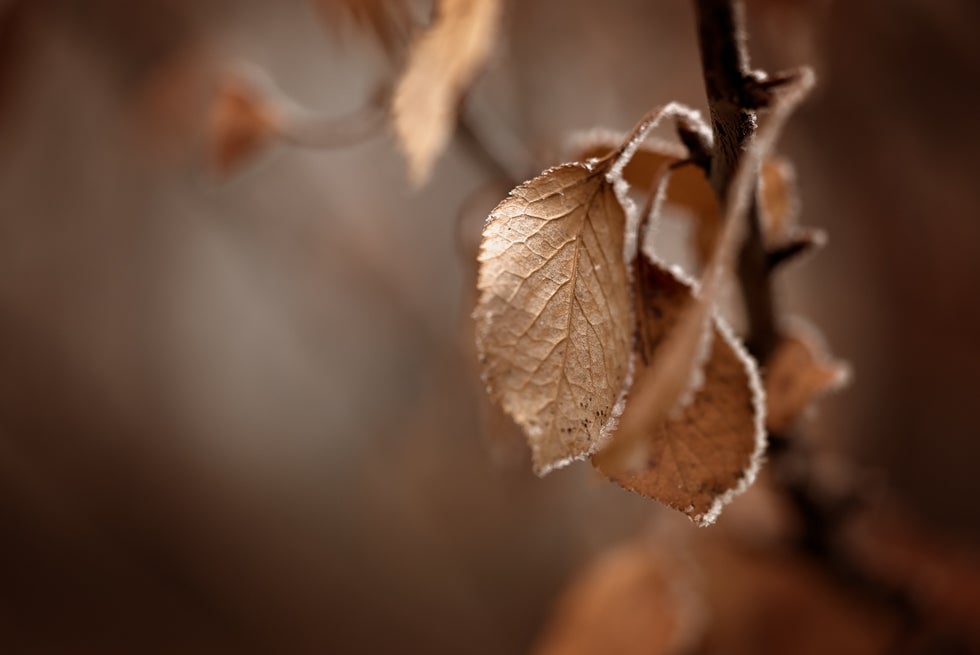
(239, 415)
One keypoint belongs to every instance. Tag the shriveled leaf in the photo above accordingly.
(644, 165)
(779, 200)
(688, 187)
(389, 22)
(668, 379)
(631, 601)
(441, 66)
(697, 458)
(242, 123)
(799, 371)
(682, 362)
(553, 324)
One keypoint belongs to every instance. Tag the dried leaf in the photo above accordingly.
(631, 601)
(799, 371)
(553, 319)
(779, 200)
(242, 123)
(699, 458)
(680, 363)
(442, 65)
(688, 186)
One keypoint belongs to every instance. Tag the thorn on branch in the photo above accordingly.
(801, 243)
(698, 143)
(759, 89)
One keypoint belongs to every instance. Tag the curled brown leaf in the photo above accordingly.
(632, 600)
(554, 324)
(698, 457)
(799, 371)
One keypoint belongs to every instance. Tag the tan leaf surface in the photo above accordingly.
(688, 187)
(632, 601)
(242, 123)
(643, 166)
(442, 64)
(699, 457)
(799, 371)
(779, 201)
(553, 322)
(714, 594)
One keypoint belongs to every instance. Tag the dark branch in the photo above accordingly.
(734, 93)
(725, 67)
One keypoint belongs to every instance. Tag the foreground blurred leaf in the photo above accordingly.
(714, 594)
(442, 65)
(633, 600)
(663, 388)
(688, 188)
(553, 319)
(691, 434)
(555, 333)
